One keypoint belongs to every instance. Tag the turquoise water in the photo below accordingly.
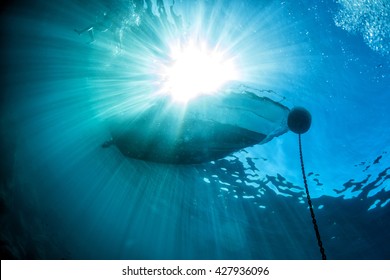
(63, 196)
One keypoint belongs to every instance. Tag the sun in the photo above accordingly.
(196, 70)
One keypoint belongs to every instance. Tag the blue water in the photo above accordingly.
(65, 197)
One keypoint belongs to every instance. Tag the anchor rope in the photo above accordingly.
(322, 250)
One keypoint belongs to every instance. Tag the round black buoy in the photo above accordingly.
(299, 120)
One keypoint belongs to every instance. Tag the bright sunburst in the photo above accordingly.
(196, 70)
(194, 49)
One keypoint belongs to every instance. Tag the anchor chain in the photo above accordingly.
(322, 250)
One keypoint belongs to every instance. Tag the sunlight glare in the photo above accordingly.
(196, 70)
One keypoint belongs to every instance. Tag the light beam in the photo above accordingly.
(196, 70)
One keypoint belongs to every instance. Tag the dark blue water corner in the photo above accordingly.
(134, 129)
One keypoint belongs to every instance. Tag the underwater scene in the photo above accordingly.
(143, 129)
